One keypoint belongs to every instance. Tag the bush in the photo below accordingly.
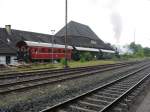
(85, 56)
(82, 59)
(63, 62)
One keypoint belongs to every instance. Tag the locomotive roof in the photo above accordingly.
(94, 49)
(42, 44)
(87, 49)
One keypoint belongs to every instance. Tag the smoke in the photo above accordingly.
(116, 21)
(115, 18)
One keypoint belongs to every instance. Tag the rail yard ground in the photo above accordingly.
(142, 101)
(144, 105)
(40, 97)
(45, 66)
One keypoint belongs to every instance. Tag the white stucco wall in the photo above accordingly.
(2, 59)
(13, 60)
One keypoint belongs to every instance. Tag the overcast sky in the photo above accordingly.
(114, 21)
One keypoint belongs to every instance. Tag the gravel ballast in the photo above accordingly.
(39, 98)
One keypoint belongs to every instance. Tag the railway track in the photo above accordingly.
(42, 72)
(37, 80)
(103, 98)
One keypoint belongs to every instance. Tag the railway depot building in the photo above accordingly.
(7, 53)
(39, 46)
(83, 38)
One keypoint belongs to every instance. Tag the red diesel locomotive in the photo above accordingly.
(29, 50)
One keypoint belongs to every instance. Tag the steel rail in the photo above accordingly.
(4, 90)
(52, 72)
(44, 77)
(109, 107)
(61, 104)
(27, 74)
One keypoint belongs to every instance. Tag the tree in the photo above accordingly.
(146, 52)
(137, 49)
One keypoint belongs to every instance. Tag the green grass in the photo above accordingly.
(72, 64)
(44, 66)
(90, 63)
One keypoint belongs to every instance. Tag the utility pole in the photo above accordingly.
(134, 35)
(52, 31)
(66, 17)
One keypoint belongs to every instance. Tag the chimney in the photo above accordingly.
(8, 29)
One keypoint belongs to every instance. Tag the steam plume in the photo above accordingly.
(116, 21)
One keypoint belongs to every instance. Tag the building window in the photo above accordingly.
(93, 42)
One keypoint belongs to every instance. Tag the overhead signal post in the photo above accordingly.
(52, 31)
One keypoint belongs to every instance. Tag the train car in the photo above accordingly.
(29, 50)
(96, 53)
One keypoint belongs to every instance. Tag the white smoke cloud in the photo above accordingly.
(116, 21)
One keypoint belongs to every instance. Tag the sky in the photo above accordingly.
(114, 21)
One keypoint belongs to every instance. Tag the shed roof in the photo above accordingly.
(10, 41)
(6, 48)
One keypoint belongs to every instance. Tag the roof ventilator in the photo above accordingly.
(8, 29)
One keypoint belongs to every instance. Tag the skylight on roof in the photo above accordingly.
(8, 40)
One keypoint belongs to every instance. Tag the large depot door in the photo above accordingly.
(8, 59)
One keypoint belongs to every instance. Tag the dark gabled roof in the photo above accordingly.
(78, 29)
(17, 35)
(81, 42)
(81, 35)
(31, 36)
(36, 37)
(6, 48)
